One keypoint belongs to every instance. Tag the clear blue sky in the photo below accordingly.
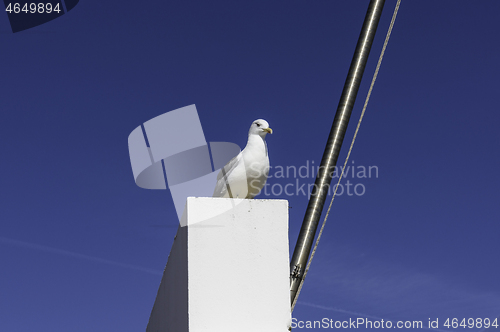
(82, 247)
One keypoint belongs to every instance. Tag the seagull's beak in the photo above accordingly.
(269, 130)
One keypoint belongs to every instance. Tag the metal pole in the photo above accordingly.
(333, 145)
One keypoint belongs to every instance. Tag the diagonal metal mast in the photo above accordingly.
(333, 145)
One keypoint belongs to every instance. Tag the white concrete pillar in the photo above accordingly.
(229, 272)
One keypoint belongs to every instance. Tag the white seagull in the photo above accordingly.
(245, 175)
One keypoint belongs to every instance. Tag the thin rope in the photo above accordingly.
(350, 149)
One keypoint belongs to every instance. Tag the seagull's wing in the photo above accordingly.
(221, 187)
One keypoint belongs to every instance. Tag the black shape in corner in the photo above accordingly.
(70, 4)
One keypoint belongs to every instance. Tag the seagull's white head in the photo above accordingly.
(260, 127)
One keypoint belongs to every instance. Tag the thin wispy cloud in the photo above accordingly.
(68, 253)
(357, 314)
(382, 288)
(337, 310)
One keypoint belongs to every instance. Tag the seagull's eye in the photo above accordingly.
(258, 124)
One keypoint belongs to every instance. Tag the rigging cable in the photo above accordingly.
(350, 149)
